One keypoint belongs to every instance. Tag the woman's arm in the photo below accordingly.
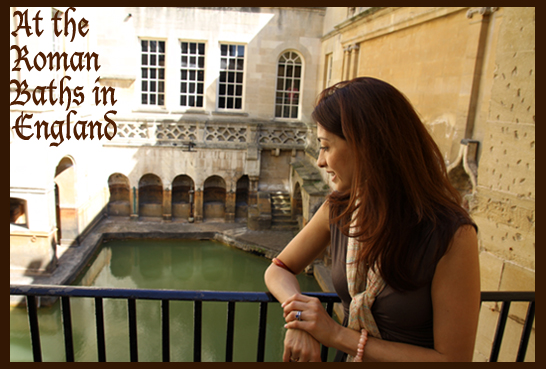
(456, 297)
(300, 252)
(456, 303)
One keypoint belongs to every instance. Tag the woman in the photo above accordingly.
(404, 252)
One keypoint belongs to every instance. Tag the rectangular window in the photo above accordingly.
(192, 74)
(230, 86)
(153, 72)
(328, 70)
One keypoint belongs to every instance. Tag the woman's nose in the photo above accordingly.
(320, 161)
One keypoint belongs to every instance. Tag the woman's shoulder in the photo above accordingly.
(465, 239)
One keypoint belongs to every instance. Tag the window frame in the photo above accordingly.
(196, 94)
(285, 92)
(148, 77)
(328, 69)
(235, 83)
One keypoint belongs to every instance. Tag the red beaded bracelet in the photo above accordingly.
(361, 345)
(279, 263)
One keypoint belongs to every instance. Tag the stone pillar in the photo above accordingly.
(230, 206)
(198, 205)
(134, 203)
(167, 203)
(346, 62)
(354, 61)
(253, 190)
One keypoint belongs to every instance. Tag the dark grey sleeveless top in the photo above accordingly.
(400, 316)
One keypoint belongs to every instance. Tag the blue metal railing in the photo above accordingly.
(65, 293)
(165, 296)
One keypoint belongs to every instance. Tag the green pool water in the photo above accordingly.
(161, 264)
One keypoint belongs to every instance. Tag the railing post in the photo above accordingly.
(166, 341)
(501, 324)
(197, 330)
(230, 331)
(261, 332)
(524, 342)
(324, 352)
(133, 339)
(34, 329)
(101, 340)
(67, 328)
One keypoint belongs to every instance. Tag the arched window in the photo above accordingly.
(289, 74)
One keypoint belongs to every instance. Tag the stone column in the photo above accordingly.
(167, 203)
(354, 61)
(230, 206)
(346, 62)
(134, 203)
(253, 190)
(198, 205)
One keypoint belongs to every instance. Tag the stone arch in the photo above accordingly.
(242, 197)
(150, 196)
(120, 195)
(183, 188)
(214, 198)
(65, 202)
(292, 45)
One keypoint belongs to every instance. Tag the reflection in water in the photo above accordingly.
(162, 264)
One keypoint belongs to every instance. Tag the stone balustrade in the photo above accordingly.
(224, 134)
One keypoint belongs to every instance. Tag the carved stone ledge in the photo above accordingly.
(484, 10)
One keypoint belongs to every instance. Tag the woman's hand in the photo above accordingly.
(313, 319)
(300, 346)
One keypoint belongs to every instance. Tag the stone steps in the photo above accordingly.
(281, 212)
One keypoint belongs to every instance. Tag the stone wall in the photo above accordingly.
(504, 205)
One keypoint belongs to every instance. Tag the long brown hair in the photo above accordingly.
(407, 211)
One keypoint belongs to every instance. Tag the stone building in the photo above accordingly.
(213, 122)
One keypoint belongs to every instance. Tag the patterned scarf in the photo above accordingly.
(363, 291)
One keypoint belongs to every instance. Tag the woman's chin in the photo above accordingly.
(338, 187)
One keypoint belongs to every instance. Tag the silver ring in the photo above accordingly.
(298, 315)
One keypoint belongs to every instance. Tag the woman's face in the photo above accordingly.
(336, 158)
